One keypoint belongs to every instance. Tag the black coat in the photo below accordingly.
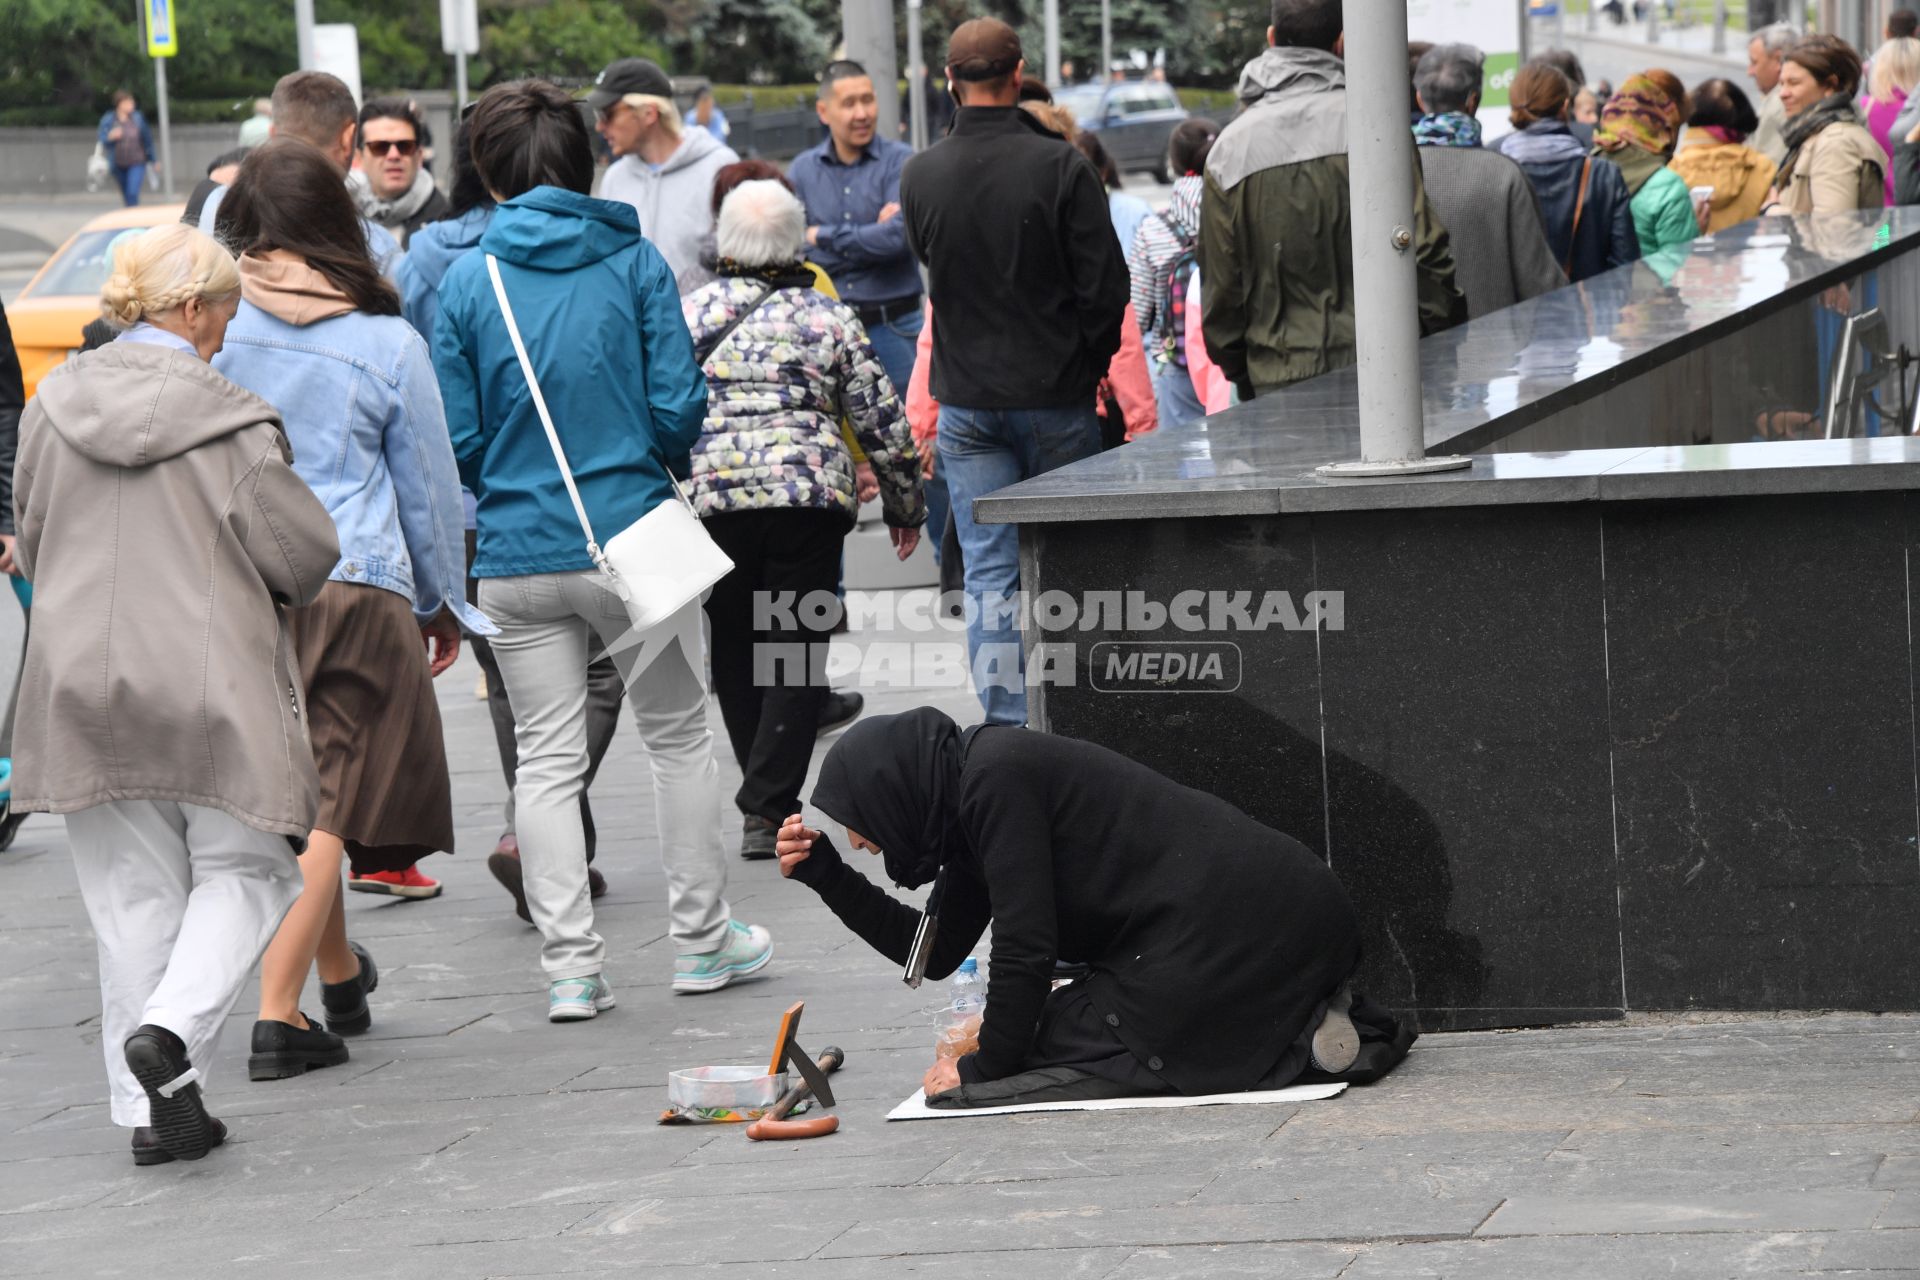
(1212, 938)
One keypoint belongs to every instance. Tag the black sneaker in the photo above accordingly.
(757, 837)
(840, 709)
(179, 1120)
(147, 1149)
(346, 1002)
(281, 1050)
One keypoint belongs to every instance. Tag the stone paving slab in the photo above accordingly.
(468, 1137)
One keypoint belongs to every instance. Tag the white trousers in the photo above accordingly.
(551, 624)
(183, 900)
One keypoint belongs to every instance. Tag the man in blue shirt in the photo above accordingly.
(850, 184)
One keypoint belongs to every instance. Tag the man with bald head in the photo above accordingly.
(1028, 285)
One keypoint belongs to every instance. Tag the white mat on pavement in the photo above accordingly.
(916, 1108)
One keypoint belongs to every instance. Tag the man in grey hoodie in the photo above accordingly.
(661, 168)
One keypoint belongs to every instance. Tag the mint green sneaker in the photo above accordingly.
(577, 999)
(748, 949)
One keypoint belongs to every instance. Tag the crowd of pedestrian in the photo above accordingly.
(396, 419)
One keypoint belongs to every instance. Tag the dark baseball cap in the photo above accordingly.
(629, 75)
(983, 49)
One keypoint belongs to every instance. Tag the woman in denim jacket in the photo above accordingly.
(319, 336)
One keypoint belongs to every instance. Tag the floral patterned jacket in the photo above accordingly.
(777, 387)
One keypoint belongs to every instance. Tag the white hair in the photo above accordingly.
(762, 224)
(1777, 38)
(1896, 65)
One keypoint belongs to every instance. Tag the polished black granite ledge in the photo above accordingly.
(1494, 377)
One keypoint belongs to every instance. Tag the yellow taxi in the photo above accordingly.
(58, 303)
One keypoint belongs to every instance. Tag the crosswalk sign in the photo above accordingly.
(162, 41)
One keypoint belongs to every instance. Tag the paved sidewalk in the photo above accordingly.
(469, 1137)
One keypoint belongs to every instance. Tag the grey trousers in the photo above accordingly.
(551, 626)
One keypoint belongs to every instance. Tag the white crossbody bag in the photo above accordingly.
(658, 564)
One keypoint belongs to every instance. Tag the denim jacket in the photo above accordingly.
(362, 411)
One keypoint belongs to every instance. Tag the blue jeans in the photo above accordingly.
(1174, 396)
(131, 180)
(895, 344)
(982, 450)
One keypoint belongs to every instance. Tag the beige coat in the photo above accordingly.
(1839, 169)
(163, 528)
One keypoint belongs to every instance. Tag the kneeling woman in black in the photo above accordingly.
(1220, 950)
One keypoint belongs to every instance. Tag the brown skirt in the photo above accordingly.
(375, 726)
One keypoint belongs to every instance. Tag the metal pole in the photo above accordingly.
(1525, 29)
(1719, 26)
(1380, 162)
(1053, 42)
(303, 31)
(460, 84)
(166, 126)
(1653, 21)
(868, 26)
(916, 79)
(1106, 40)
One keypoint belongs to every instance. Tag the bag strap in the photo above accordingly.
(1579, 207)
(540, 407)
(704, 351)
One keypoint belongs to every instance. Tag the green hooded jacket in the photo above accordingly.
(1276, 248)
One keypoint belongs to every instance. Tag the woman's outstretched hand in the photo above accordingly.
(941, 1076)
(794, 843)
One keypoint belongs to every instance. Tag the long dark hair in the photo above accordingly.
(1102, 162)
(289, 196)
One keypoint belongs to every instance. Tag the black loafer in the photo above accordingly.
(179, 1119)
(346, 1002)
(281, 1050)
(147, 1149)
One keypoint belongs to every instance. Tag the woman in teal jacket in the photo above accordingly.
(1636, 131)
(598, 310)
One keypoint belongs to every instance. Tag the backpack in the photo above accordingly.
(1173, 302)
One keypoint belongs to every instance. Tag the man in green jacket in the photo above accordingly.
(1276, 250)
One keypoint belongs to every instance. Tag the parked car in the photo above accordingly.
(64, 295)
(1134, 118)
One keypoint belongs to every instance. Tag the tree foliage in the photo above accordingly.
(65, 57)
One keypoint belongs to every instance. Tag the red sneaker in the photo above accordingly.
(401, 884)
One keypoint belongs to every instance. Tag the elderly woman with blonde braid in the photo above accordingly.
(165, 532)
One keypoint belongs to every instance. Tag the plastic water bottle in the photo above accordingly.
(960, 1020)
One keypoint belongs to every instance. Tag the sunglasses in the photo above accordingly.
(404, 146)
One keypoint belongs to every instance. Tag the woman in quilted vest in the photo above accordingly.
(774, 481)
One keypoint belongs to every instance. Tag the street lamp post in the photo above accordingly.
(1380, 162)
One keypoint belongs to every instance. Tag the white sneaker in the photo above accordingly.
(748, 949)
(577, 999)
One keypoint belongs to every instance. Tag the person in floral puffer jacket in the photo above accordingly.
(774, 482)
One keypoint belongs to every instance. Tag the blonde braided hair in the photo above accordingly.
(158, 270)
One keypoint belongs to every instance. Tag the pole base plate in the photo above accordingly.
(1406, 467)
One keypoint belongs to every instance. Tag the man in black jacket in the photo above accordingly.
(1028, 285)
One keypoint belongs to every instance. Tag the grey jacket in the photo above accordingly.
(1500, 253)
(163, 528)
(675, 202)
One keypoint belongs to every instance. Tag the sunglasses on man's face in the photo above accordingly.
(404, 146)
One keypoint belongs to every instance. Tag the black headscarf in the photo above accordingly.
(896, 780)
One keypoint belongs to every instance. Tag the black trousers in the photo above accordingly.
(771, 710)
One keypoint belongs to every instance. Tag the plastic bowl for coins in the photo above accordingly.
(742, 1090)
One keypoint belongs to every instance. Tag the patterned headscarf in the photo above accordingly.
(1448, 129)
(1640, 115)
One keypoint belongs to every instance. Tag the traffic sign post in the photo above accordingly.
(460, 36)
(163, 42)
